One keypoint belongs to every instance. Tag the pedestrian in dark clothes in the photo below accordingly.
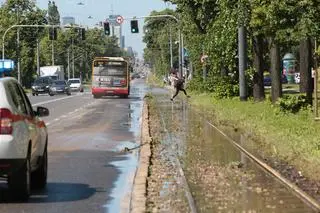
(179, 85)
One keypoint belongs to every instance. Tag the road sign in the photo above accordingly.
(119, 20)
(6, 65)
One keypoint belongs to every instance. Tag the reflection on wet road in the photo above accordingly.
(221, 178)
(87, 171)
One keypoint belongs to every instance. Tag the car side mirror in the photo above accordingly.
(42, 111)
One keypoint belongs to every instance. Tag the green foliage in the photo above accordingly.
(53, 14)
(26, 12)
(220, 87)
(292, 103)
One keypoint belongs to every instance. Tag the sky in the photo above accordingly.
(101, 9)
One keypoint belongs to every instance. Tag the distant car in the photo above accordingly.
(59, 87)
(75, 84)
(41, 85)
(135, 75)
(23, 140)
(267, 80)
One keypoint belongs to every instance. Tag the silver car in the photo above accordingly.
(75, 84)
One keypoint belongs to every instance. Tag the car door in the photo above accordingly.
(31, 122)
(21, 133)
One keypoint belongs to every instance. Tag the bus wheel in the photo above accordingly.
(96, 96)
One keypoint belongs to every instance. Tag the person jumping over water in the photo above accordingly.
(179, 85)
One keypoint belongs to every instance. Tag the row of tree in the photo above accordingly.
(211, 27)
(24, 50)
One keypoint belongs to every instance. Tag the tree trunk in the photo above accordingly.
(305, 68)
(258, 85)
(276, 86)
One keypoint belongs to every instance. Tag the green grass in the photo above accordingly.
(293, 138)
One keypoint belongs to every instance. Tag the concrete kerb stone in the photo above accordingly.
(138, 195)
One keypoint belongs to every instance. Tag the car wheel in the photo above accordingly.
(51, 94)
(33, 94)
(36, 94)
(96, 96)
(20, 182)
(69, 93)
(39, 176)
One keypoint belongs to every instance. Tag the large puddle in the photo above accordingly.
(221, 178)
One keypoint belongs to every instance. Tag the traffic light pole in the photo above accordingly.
(27, 25)
(179, 32)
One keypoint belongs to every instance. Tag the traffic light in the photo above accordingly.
(134, 26)
(83, 33)
(106, 27)
(52, 33)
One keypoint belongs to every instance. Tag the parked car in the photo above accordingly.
(267, 80)
(23, 140)
(41, 85)
(59, 87)
(75, 84)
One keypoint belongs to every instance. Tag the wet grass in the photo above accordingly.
(155, 81)
(293, 138)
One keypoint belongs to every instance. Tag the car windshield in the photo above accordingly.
(75, 81)
(43, 80)
(59, 83)
(38, 81)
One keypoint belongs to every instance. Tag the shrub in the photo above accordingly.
(292, 103)
(220, 87)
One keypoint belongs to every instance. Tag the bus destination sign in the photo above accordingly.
(108, 63)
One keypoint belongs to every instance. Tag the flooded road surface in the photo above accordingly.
(220, 177)
(87, 171)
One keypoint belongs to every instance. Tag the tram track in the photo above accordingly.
(296, 191)
(176, 162)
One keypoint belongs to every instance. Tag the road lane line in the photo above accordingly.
(61, 117)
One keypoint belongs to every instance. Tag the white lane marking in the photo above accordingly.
(58, 99)
(69, 114)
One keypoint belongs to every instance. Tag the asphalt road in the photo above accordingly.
(87, 171)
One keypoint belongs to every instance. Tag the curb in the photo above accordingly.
(138, 194)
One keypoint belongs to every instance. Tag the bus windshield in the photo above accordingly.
(109, 68)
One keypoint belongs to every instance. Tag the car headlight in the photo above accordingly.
(47, 87)
(33, 87)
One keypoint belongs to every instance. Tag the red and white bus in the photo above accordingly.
(110, 77)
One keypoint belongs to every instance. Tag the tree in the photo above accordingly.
(157, 36)
(53, 14)
(307, 28)
(28, 13)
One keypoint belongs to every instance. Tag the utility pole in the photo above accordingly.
(18, 55)
(242, 62)
(171, 54)
(52, 45)
(38, 57)
(182, 55)
(180, 65)
(72, 59)
(242, 52)
(18, 44)
(68, 62)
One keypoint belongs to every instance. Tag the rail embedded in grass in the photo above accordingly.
(289, 137)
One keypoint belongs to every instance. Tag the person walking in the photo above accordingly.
(179, 86)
